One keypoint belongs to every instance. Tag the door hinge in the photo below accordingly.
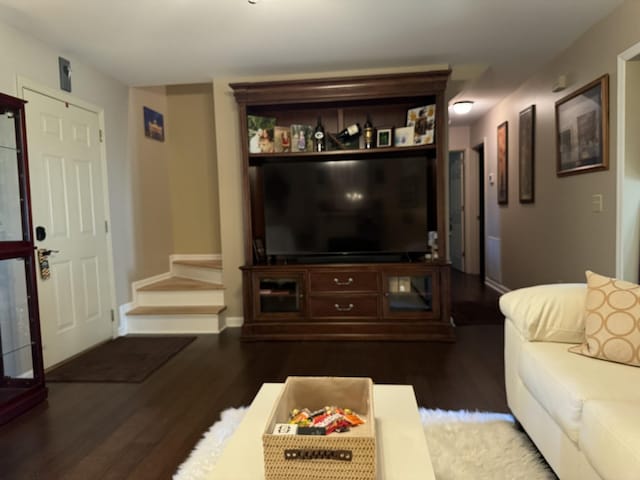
(113, 316)
(101, 135)
(106, 226)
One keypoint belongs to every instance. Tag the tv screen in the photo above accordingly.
(365, 206)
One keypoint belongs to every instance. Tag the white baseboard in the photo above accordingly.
(234, 322)
(124, 308)
(196, 256)
(496, 286)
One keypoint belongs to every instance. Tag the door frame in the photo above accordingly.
(25, 83)
(630, 54)
(479, 157)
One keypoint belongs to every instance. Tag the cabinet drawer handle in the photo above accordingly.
(340, 308)
(338, 282)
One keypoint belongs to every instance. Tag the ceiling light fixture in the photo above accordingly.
(462, 107)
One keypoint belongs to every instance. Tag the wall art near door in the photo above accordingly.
(526, 154)
(503, 163)
(582, 129)
(153, 124)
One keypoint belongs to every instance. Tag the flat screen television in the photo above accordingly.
(363, 207)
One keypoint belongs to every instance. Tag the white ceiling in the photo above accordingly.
(162, 42)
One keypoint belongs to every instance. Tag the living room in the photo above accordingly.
(552, 240)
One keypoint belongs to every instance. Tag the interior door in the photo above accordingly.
(456, 209)
(69, 222)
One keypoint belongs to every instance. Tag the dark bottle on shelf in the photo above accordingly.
(319, 141)
(369, 134)
(352, 131)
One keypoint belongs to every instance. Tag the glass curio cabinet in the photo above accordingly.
(21, 368)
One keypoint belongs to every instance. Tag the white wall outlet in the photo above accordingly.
(492, 178)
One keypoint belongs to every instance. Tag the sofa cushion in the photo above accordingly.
(612, 320)
(610, 438)
(562, 381)
(553, 313)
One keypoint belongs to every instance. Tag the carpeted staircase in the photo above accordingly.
(188, 299)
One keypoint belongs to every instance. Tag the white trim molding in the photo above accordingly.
(234, 322)
(498, 287)
(621, 139)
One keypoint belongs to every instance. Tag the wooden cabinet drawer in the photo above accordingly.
(343, 281)
(343, 306)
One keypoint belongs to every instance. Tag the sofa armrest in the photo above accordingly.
(553, 313)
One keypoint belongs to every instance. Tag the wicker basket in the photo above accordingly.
(339, 456)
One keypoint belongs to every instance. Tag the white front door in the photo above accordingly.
(68, 208)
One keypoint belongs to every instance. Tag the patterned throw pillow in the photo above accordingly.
(612, 320)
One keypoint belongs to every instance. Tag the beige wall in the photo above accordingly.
(558, 237)
(230, 172)
(23, 55)
(153, 228)
(193, 170)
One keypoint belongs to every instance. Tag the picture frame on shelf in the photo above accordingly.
(423, 120)
(384, 137)
(404, 136)
(503, 163)
(526, 154)
(301, 138)
(281, 139)
(582, 129)
(260, 133)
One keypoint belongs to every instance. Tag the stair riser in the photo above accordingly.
(181, 298)
(159, 324)
(211, 275)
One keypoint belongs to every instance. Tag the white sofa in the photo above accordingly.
(582, 413)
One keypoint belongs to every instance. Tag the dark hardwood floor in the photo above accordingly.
(144, 431)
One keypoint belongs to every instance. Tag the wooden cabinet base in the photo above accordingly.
(387, 301)
(18, 400)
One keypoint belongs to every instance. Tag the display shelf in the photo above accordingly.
(320, 307)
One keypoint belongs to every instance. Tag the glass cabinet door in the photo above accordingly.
(411, 294)
(21, 367)
(279, 294)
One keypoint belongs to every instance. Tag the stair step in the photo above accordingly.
(178, 310)
(200, 263)
(180, 283)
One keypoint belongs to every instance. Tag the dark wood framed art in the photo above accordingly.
(526, 154)
(582, 129)
(503, 163)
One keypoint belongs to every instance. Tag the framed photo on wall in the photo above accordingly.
(503, 163)
(526, 154)
(582, 129)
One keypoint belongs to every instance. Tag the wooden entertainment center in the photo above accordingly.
(346, 297)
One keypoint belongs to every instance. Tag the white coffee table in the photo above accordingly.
(402, 448)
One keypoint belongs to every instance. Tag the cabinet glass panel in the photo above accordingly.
(279, 295)
(15, 331)
(10, 196)
(410, 293)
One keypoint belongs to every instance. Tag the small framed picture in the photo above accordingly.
(404, 136)
(153, 124)
(384, 137)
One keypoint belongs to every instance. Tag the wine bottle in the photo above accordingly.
(369, 141)
(350, 132)
(319, 144)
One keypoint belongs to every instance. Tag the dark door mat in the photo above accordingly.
(123, 360)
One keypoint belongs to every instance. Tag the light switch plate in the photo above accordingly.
(64, 67)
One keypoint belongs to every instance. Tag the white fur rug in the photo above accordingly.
(463, 445)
